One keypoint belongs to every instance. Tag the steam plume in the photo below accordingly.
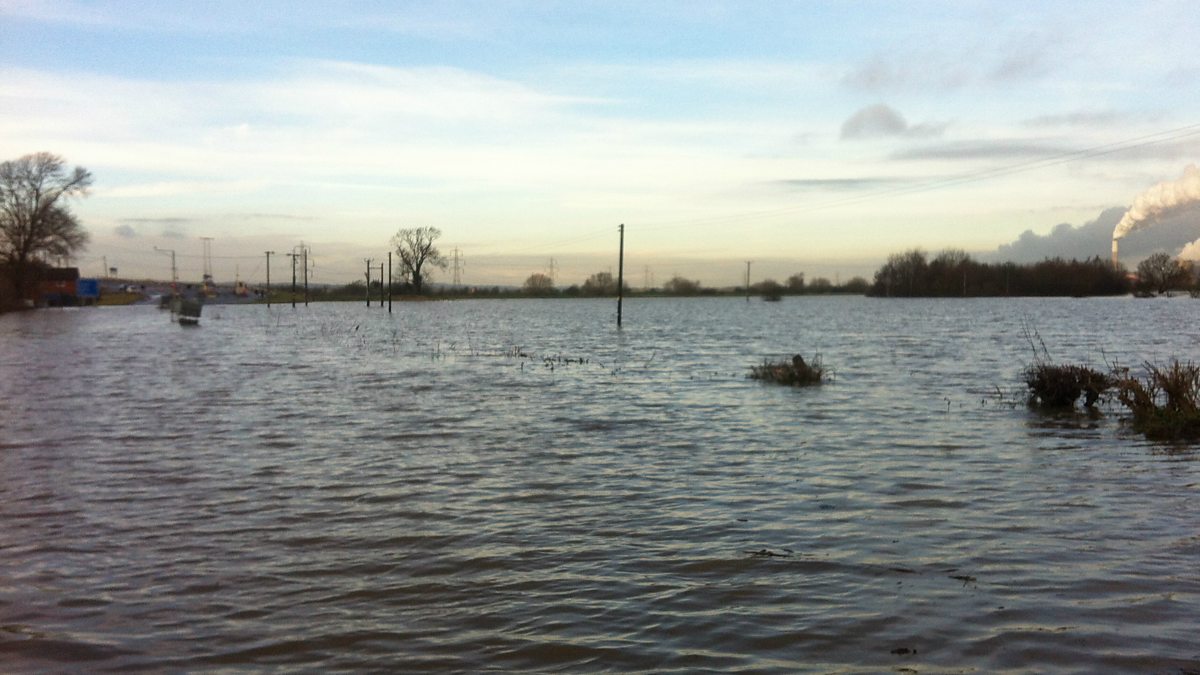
(1161, 200)
(1191, 251)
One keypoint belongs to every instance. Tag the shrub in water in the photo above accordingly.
(1166, 404)
(1058, 386)
(796, 372)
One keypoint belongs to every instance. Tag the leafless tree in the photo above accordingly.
(1160, 273)
(795, 283)
(539, 284)
(677, 285)
(600, 283)
(35, 218)
(415, 246)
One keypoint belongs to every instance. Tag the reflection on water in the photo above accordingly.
(518, 485)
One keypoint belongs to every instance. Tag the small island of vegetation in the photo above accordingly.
(794, 372)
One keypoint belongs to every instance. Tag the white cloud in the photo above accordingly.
(177, 188)
(352, 91)
(56, 11)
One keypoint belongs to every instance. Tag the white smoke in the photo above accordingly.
(1161, 200)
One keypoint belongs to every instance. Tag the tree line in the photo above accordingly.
(603, 284)
(953, 273)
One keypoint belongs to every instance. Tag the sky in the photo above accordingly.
(813, 137)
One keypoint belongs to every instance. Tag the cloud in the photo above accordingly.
(1184, 144)
(178, 188)
(1191, 251)
(1183, 76)
(912, 72)
(415, 21)
(56, 11)
(1014, 59)
(1006, 150)
(356, 91)
(268, 216)
(1024, 58)
(156, 221)
(881, 120)
(836, 184)
(1094, 238)
(171, 227)
(1075, 119)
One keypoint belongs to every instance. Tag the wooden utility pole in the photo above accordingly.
(269, 278)
(381, 284)
(620, 274)
(748, 280)
(304, 252)
(293, 257)
(368, 261)
(389, 282)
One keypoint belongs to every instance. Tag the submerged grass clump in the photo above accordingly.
(1059, 386)
(796, 373)
(1166, 404)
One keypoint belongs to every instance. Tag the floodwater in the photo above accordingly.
(520, 486)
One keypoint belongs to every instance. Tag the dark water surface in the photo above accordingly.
(335, 488)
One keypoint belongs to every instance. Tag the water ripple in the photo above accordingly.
(441, 489)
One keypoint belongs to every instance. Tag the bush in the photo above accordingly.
(796, 372)
(1059, 386)
(1165, 405)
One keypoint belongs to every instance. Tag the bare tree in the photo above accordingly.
(1160, 273)
(415, 247)
(795, 283)
(35, 218)
(539, 284)
(600, 283)
(677, 285)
